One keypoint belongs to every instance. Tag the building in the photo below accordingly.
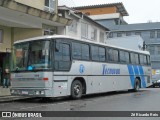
(111, 16)
(21, 19)
(82, 26)
(150, 32)
(105, 14)
(134, 42)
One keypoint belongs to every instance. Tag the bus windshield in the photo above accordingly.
(32, 55)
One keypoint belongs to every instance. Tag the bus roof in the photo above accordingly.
(65, 36)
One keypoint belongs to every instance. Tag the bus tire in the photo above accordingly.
(76, 89)
(137, 85)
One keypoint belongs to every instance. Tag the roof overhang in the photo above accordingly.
(120, 7)
(81, 15)
(13, 14)
(105, 16)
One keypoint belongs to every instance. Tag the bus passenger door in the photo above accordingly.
(62, 63)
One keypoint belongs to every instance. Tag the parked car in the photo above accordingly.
(156, 80)
(156, 83)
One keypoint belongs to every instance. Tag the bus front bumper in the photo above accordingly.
(32, 92)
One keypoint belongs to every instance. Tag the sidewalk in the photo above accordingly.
(5, 95)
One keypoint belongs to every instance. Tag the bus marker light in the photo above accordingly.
(45, 79)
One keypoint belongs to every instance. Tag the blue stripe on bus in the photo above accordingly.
(131, 73)
(142, 76)
(136, 72)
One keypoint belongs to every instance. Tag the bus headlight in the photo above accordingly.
(12, 91)
(37, 92)
(42, 92)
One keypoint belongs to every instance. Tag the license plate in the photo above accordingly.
(25, 92)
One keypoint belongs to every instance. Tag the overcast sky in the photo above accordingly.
(140, 11)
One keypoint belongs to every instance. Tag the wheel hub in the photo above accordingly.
(76, 89)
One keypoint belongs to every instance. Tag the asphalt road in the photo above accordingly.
(145, 100)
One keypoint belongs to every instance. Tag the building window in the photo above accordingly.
(128, 33)
(94, 34)
(138, 33)
(73, 27)
(84, 30)
(110, 35)
(119, 34)
(49, 5)
(116, 21)
(49, 31)
(151, 49)
(152, 34)
(101, 37)
(1, 36)
(158, 34)
(158, 50)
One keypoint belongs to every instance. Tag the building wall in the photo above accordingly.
(77, 33)
(134, 42)
(24, 33)
(145, 34)
(19, 34)
(6, 39)
(97, 11)
(39, 4)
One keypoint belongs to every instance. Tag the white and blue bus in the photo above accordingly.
(54, 66)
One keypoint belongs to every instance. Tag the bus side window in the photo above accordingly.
(80, 51)
(134, 58)
(102, 54)
(122, 56)
(127, 57)
(109, 54)
(58, 51)
(141, 59)
(148, 60)
(62, 56)
(77, 51)
(112, 55)
(95, 55)
(85, 52)
(115, 55)
(145, 59)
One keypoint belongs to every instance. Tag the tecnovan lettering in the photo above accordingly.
(111, 71)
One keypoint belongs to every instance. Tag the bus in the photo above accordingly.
(56, 66)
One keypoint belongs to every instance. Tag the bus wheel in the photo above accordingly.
(137, 85)
(76, 89)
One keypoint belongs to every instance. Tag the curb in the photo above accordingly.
(11, 98)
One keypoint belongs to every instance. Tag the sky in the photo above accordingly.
(140, 11)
